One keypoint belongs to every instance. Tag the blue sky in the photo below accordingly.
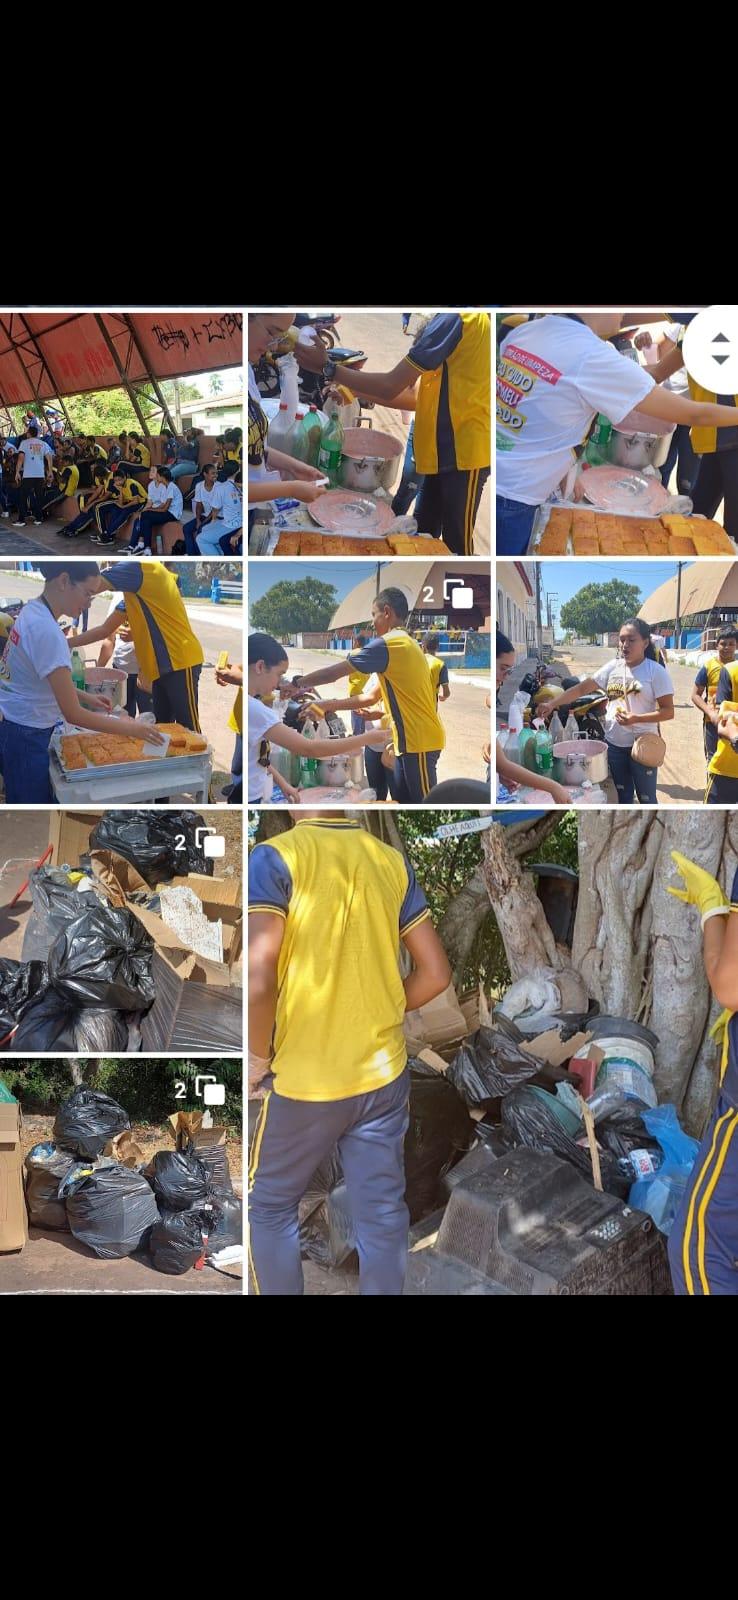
(566, 578)
(344, 575)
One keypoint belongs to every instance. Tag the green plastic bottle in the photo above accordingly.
(597, 451)
(331, 450)
(78, 671)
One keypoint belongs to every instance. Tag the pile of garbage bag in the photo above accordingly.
(88, 991)
(152, 842)
(179, 1207)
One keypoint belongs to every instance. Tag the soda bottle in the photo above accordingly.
(331, 450)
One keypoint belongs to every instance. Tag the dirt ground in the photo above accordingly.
(380, 334)
(465, 717)
(683, 776)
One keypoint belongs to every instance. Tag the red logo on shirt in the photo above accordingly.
(542, 369)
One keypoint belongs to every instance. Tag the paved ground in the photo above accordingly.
(55, 1263)
(218, 627)
(464, 715)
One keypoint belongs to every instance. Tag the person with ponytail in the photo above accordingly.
(509, 772)
(640, 696)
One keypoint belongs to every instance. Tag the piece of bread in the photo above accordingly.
(196, 743)
(177, 734)
(674, 522)
(312, 544)
(585, 544)
(720, 540)
(680, 546)
(559, 517)
(553, 541)
(70, 746)
(73, 762)
(657, 544)
(584, 520)
(288, 544)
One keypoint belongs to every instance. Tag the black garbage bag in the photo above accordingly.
(112, 1212)
(527, 1120)
(103, 959)
(150, 840)
(21, 982)
(226, 1224)
(43, 1178)
(100, 1033)
(86, 1120)
(177, 1240)
(215, 1161)
(490, 1064)
(54, 902)
(440, 1131)
(624, 1130)
(179, 1180)
(47, 1024)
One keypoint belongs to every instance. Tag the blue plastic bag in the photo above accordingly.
(662, 1192)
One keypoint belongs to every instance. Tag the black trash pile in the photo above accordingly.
(439, 1133)
(88, 993)
(180, 1207)
(160, 845)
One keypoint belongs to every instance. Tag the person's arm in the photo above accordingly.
(290, 739)
(700, 700)
(107, 651)
(356, 702)
(431, 971)
(105, 630)
(721, 959)
(395, 389)
(266, 932)
(287, 789)
(444, 687)
(692, 413)
(510, 772)
(340, 669)
(19, 458)
(64, 692)
(261, 490)
(587, 686)
(665, 713)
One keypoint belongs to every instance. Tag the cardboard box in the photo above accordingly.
(439, 1023)
(13, 1214)
(69, 832)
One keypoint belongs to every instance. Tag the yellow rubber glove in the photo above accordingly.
(702, 891)
(717, 1030)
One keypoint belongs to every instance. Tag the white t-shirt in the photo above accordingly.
(261, 719)
(34, 451)
(554, 376)
(209, 497)
(645, 686)
(35, 647)
(159, 493)
(229, 503)
(124, 654)
(678, 383)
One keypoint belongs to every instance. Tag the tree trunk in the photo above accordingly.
(528, 940)
(462, 920)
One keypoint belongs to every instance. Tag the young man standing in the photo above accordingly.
(168, 653)
(407, 691)
(704, 693)
(438, 668)
(34, 459)
(325, 1033)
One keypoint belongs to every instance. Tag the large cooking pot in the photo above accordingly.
(640, 441)
(577, 761)
(369, 460)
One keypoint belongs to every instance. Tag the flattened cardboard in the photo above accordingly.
(550, 1047)
(13, 1214)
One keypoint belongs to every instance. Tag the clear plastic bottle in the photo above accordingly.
(556, 728)
(571, 731)
(78, 671)
(297, 443)
(279, 429)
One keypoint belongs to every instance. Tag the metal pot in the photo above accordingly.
(333, 771)
(369, 460)
(356, 767)
(640, 441)
(577, 761)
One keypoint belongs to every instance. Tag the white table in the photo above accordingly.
(135, 782)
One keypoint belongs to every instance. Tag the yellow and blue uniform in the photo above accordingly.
(128, 496)
(707, 680)
(338, 1028)
(169, 654)
(722, 772)
(140, 455)
(68, 478)
(438, 671)
(357, 683)
(703, 1244)
(452, 429)
(717, 449)
(340, 1079)
(410, 700)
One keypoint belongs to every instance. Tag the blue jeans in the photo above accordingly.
(184, 469)
(631, 777)
(24, 763)
(291, 1139)
(411, 480)
(514, 526)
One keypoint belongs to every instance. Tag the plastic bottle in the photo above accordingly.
(279, 429)
(571, 731)
(313, 431)
(331, 450)
(296, 445)
(527, 749)
(78, 670)
(598, 445)
(556, 728)
(544, 750)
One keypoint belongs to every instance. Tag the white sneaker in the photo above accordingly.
(19, 524)
(4, 513)
(37, 523)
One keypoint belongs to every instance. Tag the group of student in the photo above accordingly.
(715, 688)
(146, 632)
(40, 473)
(394, 686)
